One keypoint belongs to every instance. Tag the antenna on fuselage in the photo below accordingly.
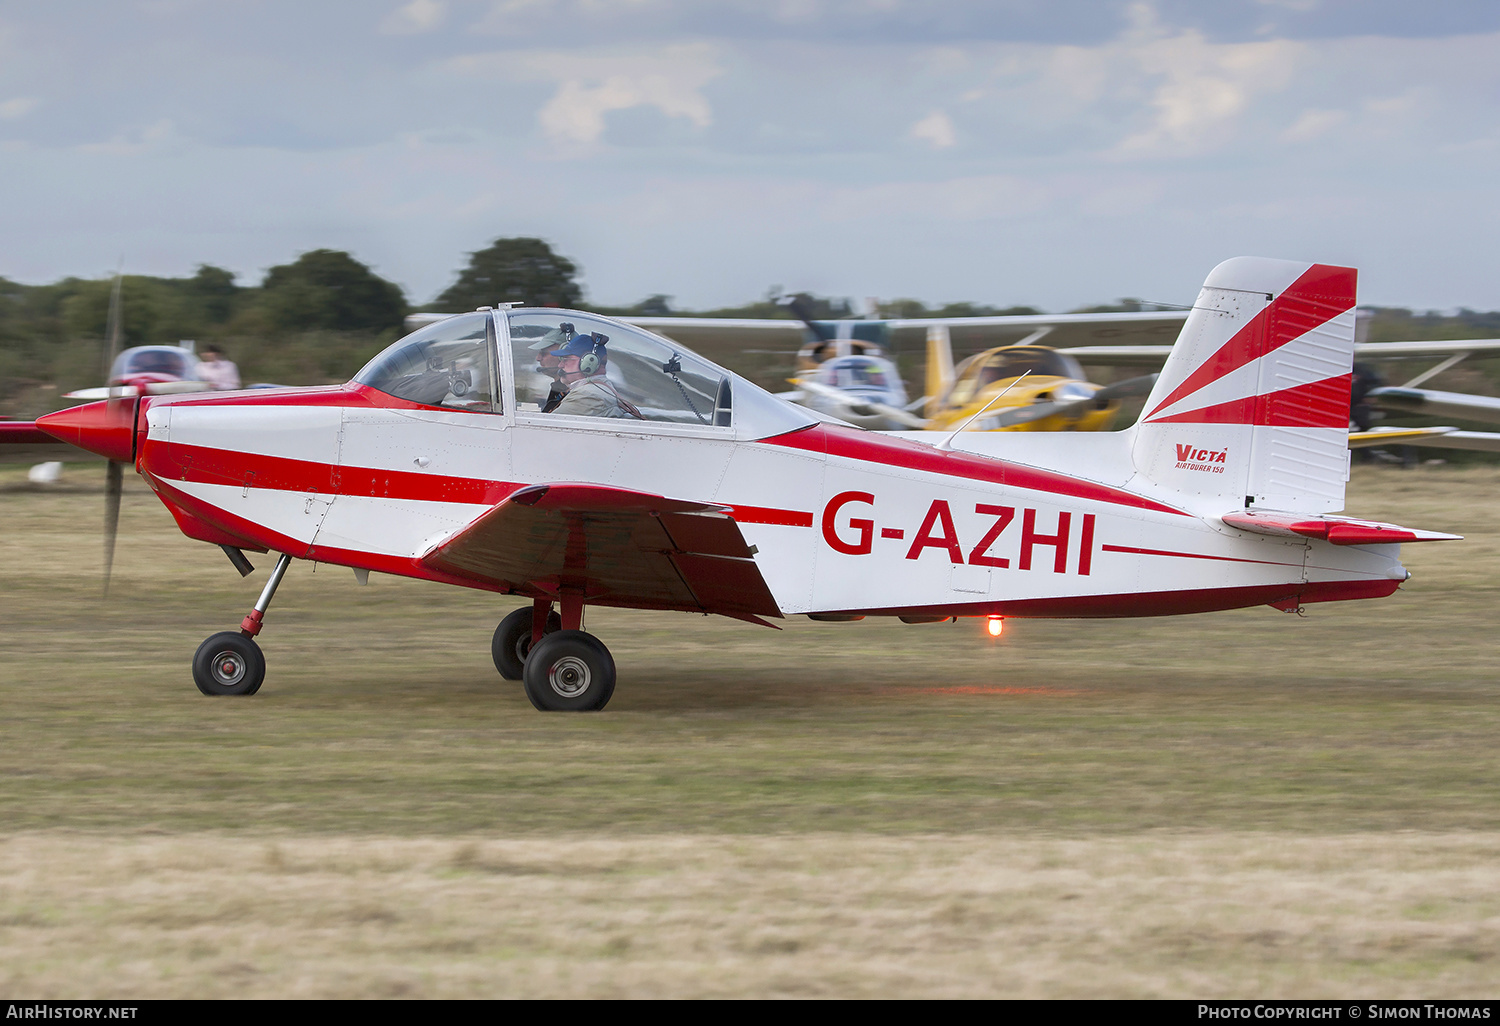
(947, 443)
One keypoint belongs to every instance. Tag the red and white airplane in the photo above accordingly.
(438, 462)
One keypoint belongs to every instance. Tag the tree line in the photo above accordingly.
(322, 316)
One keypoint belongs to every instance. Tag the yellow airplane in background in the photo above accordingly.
(1018, 388)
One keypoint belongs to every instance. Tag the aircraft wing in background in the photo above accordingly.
(1058, 330)
(1063, 331)
(1426, 438)
(1429, 403)
(1155, 356)
(852, 408)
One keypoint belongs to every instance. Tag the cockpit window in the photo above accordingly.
(1017, 360)
(632, 375)
(165, 360)
(448, 363)
(856, 372)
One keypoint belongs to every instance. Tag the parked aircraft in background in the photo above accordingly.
(437, 462)
(149, 370)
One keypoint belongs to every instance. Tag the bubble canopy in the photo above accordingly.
(637, 377)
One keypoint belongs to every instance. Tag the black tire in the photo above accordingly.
(512, 641)
(229, 663)
(569, 671)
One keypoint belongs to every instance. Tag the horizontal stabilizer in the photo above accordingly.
(1337, 530)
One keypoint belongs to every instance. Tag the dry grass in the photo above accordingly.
(1244, 802)
(1154, 915)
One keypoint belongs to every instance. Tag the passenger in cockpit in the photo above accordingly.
(581, 370)
(547, 360)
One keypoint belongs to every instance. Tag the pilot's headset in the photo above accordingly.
(590, 359)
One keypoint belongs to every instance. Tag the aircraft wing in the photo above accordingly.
(1436, 404)
(21, 441)
(1155, 356)
(1423, 350)
(1059, 330)
(1426, 438)
(846, 403)
(620, 547)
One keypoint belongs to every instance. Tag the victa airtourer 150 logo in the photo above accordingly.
(1190, 457)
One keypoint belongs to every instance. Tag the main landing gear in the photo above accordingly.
(230, 662)
(563, 668)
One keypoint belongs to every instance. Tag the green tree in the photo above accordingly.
(329, 289)
(513, 271)
(214, 291)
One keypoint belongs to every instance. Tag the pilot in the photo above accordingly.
(546, 361)
(580, 369)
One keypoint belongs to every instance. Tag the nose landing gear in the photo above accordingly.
(230, 662)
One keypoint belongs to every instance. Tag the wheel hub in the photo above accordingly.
(229, 668)
(569, 676)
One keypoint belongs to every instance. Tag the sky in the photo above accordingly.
(1053, 153)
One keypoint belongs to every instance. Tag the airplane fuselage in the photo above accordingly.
(841, 520)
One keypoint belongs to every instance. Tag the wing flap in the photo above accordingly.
(1337, 530)
(733, 587)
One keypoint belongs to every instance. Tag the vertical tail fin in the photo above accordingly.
(1253, 404)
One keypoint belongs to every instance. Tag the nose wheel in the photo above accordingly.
(569, 671)
(230, 662)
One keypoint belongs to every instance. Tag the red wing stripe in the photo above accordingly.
(1316, 404)
(769, 515)
(1321, 294)
(871, 447)
(1190, 555)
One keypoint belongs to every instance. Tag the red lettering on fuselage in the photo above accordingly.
(938, 511)
(1003, 516)
(940, 531)
(866, 528)
(1059, 541)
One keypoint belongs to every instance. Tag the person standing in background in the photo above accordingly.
(218, 371)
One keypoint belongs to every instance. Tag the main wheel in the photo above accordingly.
(569, 671)
(512, 641)
(229, 663)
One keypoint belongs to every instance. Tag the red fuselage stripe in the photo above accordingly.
(203, 465)
(867, 447)
(1189, 555)
(768, 515)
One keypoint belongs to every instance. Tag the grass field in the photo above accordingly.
(1229, 804)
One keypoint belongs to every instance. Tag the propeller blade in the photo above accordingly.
(1127, 388)
(112, 329)
(114, 486)
(803, 312)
